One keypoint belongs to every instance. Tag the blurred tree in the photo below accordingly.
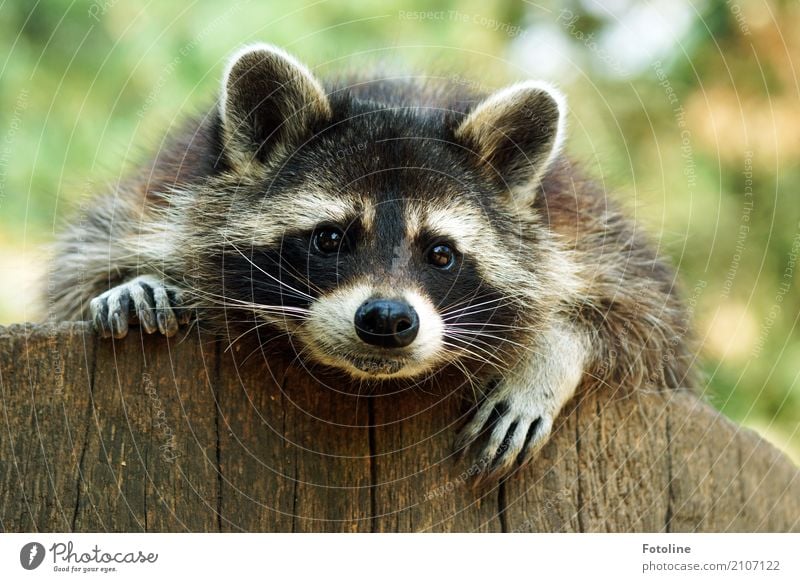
(687, 110)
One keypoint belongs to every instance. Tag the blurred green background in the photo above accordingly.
(687, 111)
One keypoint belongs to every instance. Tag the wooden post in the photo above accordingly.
(147, 434)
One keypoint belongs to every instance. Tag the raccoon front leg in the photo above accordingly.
(154, 304)
(519, 411)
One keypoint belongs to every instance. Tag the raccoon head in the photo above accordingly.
(386, 235)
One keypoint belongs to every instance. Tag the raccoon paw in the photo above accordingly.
(144, 299)
(512, 423)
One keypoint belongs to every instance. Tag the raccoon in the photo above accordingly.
(391, 228)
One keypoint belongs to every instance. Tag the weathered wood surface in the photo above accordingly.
(147, 434)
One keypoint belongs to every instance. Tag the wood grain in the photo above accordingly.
(149, 434)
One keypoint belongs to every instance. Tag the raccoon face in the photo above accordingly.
(385, 239)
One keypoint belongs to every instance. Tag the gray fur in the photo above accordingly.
(594, 308)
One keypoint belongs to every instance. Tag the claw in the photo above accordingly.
(535, 439)
(119, 326)
(167, 323)
(485, 417)
(99, 310)
(145, 304)
(155, 306)
(498, 442)
(118, 303)
(515, 428)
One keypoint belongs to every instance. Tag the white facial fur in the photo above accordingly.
(330, 334)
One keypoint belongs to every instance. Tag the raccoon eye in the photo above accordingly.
(441, 256)
(328, 240)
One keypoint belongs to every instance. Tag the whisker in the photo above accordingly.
(470, 313)
(469, 299)
(471, 305)
(473, 385)
(485, 346)
(249, 260)
(251, 330)
(490, 358)
(463, 333)
(293, 268)
(224, 302)
(468, 324)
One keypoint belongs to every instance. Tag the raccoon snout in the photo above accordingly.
(387, 323)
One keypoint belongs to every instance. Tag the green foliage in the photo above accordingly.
(89, 88)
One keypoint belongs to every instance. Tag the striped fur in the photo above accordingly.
(553, 289)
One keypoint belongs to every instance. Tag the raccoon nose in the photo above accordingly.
(387, 323)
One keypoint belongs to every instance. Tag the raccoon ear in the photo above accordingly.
(269, 100)
(517, 132)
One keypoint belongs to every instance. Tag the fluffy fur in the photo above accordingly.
(550, 289)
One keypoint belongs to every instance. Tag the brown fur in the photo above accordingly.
(585, 299)
(630, 297)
